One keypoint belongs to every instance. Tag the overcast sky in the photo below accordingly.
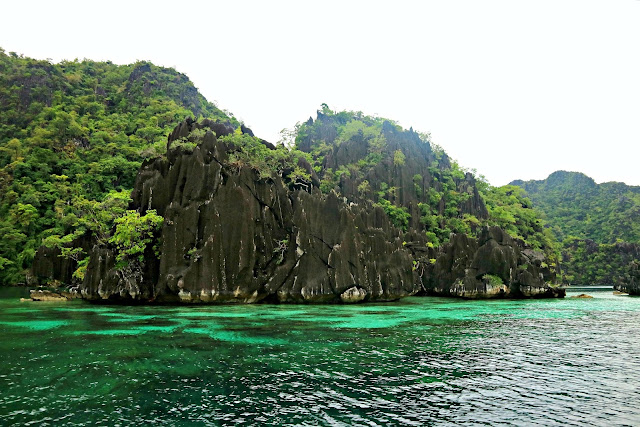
(513, 88)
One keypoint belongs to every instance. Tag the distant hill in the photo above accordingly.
(598, 224)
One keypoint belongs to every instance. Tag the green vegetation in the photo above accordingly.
(73, 135)
(351, 151)
(85, 217)
(280, 249)
(398, 158)
(596, 223)
(397, 214)
(510, 209)
(281, 161)
(492, 280)
(577, 207)
(587, 262)
(133, 233)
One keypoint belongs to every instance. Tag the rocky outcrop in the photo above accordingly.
(51, 269)
(231, 236)
(493, 265)
(582, 296)
(631, 285)
(47, 295)
(353, 294)
(234, 235)
(411, 180)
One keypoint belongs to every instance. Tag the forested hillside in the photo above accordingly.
(598, 225)
(418, 185)
(72, 138)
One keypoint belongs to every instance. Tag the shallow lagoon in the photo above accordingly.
(419, 361)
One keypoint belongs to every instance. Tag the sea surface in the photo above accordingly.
(420, 361)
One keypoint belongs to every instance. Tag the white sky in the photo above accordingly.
(513, 88)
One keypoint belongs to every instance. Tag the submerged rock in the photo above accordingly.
(582, 296)
(46, 295)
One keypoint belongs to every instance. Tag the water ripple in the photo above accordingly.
(426, 361)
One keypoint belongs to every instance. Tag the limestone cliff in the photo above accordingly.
(493, 265)
(402, 168)
(231, 236)
(234, 234)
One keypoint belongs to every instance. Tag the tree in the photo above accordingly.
(133, 233)
(86, 216)
(398, 158)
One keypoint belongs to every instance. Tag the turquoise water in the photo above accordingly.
(420, 361)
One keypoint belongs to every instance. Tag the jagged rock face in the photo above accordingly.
(49, 266)
(104, 282)
(494, 265)
(230, 236)
(418, 161)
